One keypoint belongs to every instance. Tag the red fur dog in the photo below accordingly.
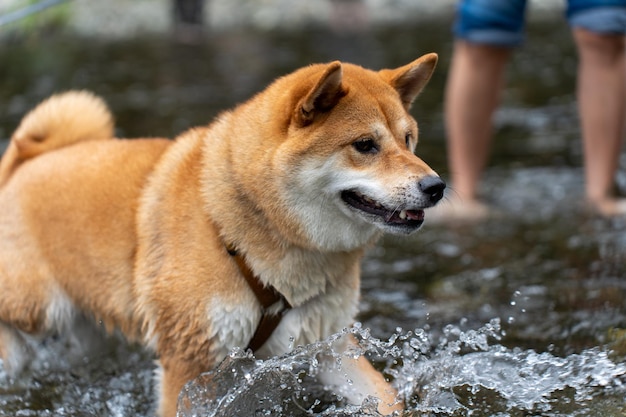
(175, 242)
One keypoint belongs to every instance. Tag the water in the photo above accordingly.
(521, 315)
(460, 374)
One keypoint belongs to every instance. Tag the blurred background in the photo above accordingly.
(553, 274)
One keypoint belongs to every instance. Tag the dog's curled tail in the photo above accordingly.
(59, 121)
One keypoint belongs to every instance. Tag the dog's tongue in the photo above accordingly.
(415, 214)
(405, 215)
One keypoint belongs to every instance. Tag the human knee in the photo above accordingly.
(491, 22)
(600, 47)
(598, 29)
(482, 54)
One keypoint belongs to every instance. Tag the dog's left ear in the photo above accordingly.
(410, 79)
(324, 96)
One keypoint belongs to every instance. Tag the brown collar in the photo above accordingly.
(267, 296)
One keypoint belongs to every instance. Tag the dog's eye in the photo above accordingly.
(407, 140)
(365, 145)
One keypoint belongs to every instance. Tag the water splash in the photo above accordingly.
(67, 377)
(462, 373)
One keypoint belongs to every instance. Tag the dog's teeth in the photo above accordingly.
(402, 214)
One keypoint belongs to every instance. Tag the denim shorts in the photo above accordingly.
(501, 22)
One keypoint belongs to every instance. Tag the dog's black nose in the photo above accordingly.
(433, 187)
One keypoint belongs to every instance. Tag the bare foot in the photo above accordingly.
(456, 210)
(609, 207)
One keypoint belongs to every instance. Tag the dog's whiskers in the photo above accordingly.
(392, 212)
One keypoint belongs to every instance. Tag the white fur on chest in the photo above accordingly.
(323, 292)
(301, 275)
(314, 321)
(235, 324)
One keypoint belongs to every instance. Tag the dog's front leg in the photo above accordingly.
(356, 379)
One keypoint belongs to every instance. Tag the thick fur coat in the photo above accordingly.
(301, 179)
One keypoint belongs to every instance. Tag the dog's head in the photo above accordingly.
(348, 167)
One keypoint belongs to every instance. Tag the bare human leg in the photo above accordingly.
(602, 106)
(475, 82)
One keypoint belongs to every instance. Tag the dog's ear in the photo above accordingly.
(324, 96)
(410, 79)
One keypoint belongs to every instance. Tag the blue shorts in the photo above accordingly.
(501, 22)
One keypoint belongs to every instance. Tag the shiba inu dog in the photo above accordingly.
(193, 246)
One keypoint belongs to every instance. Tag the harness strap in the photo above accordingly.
(267, 297)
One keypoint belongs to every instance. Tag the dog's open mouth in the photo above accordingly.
(394, 217)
